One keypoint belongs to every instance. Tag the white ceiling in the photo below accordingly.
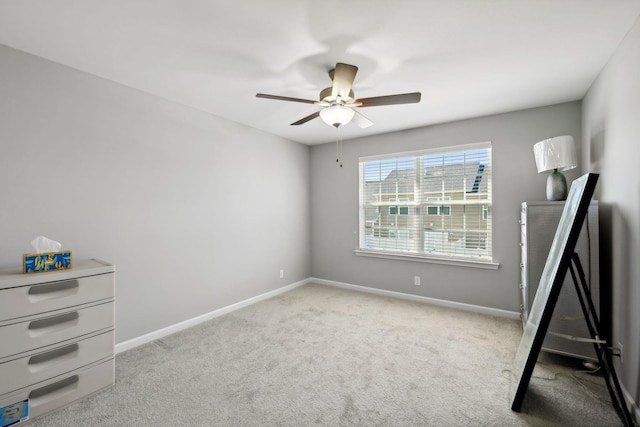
(469, 58)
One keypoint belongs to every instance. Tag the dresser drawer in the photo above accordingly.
(64, 325)
(28, 300)
(32, 369)
(63, 390)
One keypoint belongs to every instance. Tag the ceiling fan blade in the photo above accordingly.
(284, 98)
(306, 119)
(405, 98)
(361, 121)
(343, 76)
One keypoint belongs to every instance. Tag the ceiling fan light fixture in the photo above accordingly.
(337, 115)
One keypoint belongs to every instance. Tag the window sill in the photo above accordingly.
(430, 259)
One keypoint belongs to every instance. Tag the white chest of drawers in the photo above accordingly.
(56, 336)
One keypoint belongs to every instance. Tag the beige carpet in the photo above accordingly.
(325, 356)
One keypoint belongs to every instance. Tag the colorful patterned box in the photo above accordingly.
(34, 263)
(14, 413)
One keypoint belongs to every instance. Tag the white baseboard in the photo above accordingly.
(152, 336)
(443, 303)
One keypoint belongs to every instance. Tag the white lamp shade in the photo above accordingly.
(555, 153)
(336, 115)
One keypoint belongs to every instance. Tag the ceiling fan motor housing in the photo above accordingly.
(325, 95)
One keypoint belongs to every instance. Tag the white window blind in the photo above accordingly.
(432, 203)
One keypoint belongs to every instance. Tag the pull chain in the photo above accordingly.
(338, 146)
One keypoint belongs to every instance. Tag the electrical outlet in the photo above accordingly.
(282, 274)
(621, 352)
(416, 280)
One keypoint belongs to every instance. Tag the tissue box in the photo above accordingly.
(51, 261)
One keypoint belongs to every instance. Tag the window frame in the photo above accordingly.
(484, 261)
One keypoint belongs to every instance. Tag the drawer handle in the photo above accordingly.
(54, 322)
(67, 352)
(53, 290)
(54, 391)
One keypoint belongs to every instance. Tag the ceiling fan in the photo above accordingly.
(338, 101)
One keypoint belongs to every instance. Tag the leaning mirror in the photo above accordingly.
(553, 274)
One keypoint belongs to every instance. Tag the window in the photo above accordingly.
(398, 210)
(438, 209)
(431, 203)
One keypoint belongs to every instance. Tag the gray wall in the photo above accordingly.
(334, 205)
(611, 137)
(117, 174)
